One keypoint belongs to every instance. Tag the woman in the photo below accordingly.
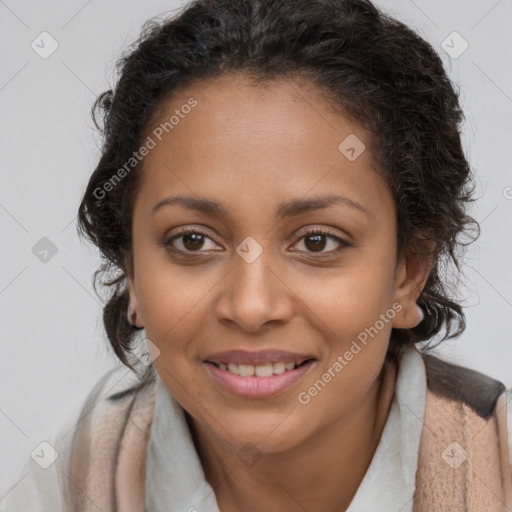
(280, 186)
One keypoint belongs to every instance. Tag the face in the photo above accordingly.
(294, 262)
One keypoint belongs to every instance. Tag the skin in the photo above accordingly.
(251, 148)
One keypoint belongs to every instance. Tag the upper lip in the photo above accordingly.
(257, 358)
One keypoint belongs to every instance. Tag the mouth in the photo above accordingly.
(261, 371)
(258, 375)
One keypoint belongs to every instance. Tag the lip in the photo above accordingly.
(257, 358)
(258, 387)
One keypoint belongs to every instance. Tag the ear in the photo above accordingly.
(411, 275)
(133, 312)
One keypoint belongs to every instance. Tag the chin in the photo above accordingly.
(272, 436)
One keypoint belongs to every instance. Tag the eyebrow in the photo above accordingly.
(287, 209)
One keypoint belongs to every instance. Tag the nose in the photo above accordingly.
(254, 295)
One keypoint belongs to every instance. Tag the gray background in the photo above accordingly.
(53, 346)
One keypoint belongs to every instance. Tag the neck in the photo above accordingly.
(302, 477)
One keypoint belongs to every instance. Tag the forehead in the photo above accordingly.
(267, 141)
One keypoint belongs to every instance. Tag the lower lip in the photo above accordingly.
(258, 387)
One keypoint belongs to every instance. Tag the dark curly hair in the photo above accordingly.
(373, 67)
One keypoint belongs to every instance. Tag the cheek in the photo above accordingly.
(356, 322)
(348, 300)
(171, 298)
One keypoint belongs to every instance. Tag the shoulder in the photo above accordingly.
(484, 395)
(466, 418)
(109, 441)
(40, 488)
(478, 391)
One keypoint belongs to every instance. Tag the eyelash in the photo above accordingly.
(316, 231)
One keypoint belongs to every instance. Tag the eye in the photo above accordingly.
(316, 240)
(188, 240)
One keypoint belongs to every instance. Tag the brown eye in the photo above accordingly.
(315, 241)
(190, 240)
(193, 241)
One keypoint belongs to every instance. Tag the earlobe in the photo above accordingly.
(131, 315)
(410, 316)
(419, 314)
(411, 279)
(132, 310)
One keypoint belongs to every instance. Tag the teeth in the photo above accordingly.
(280, 368)
(246, 370)
(264, 370)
